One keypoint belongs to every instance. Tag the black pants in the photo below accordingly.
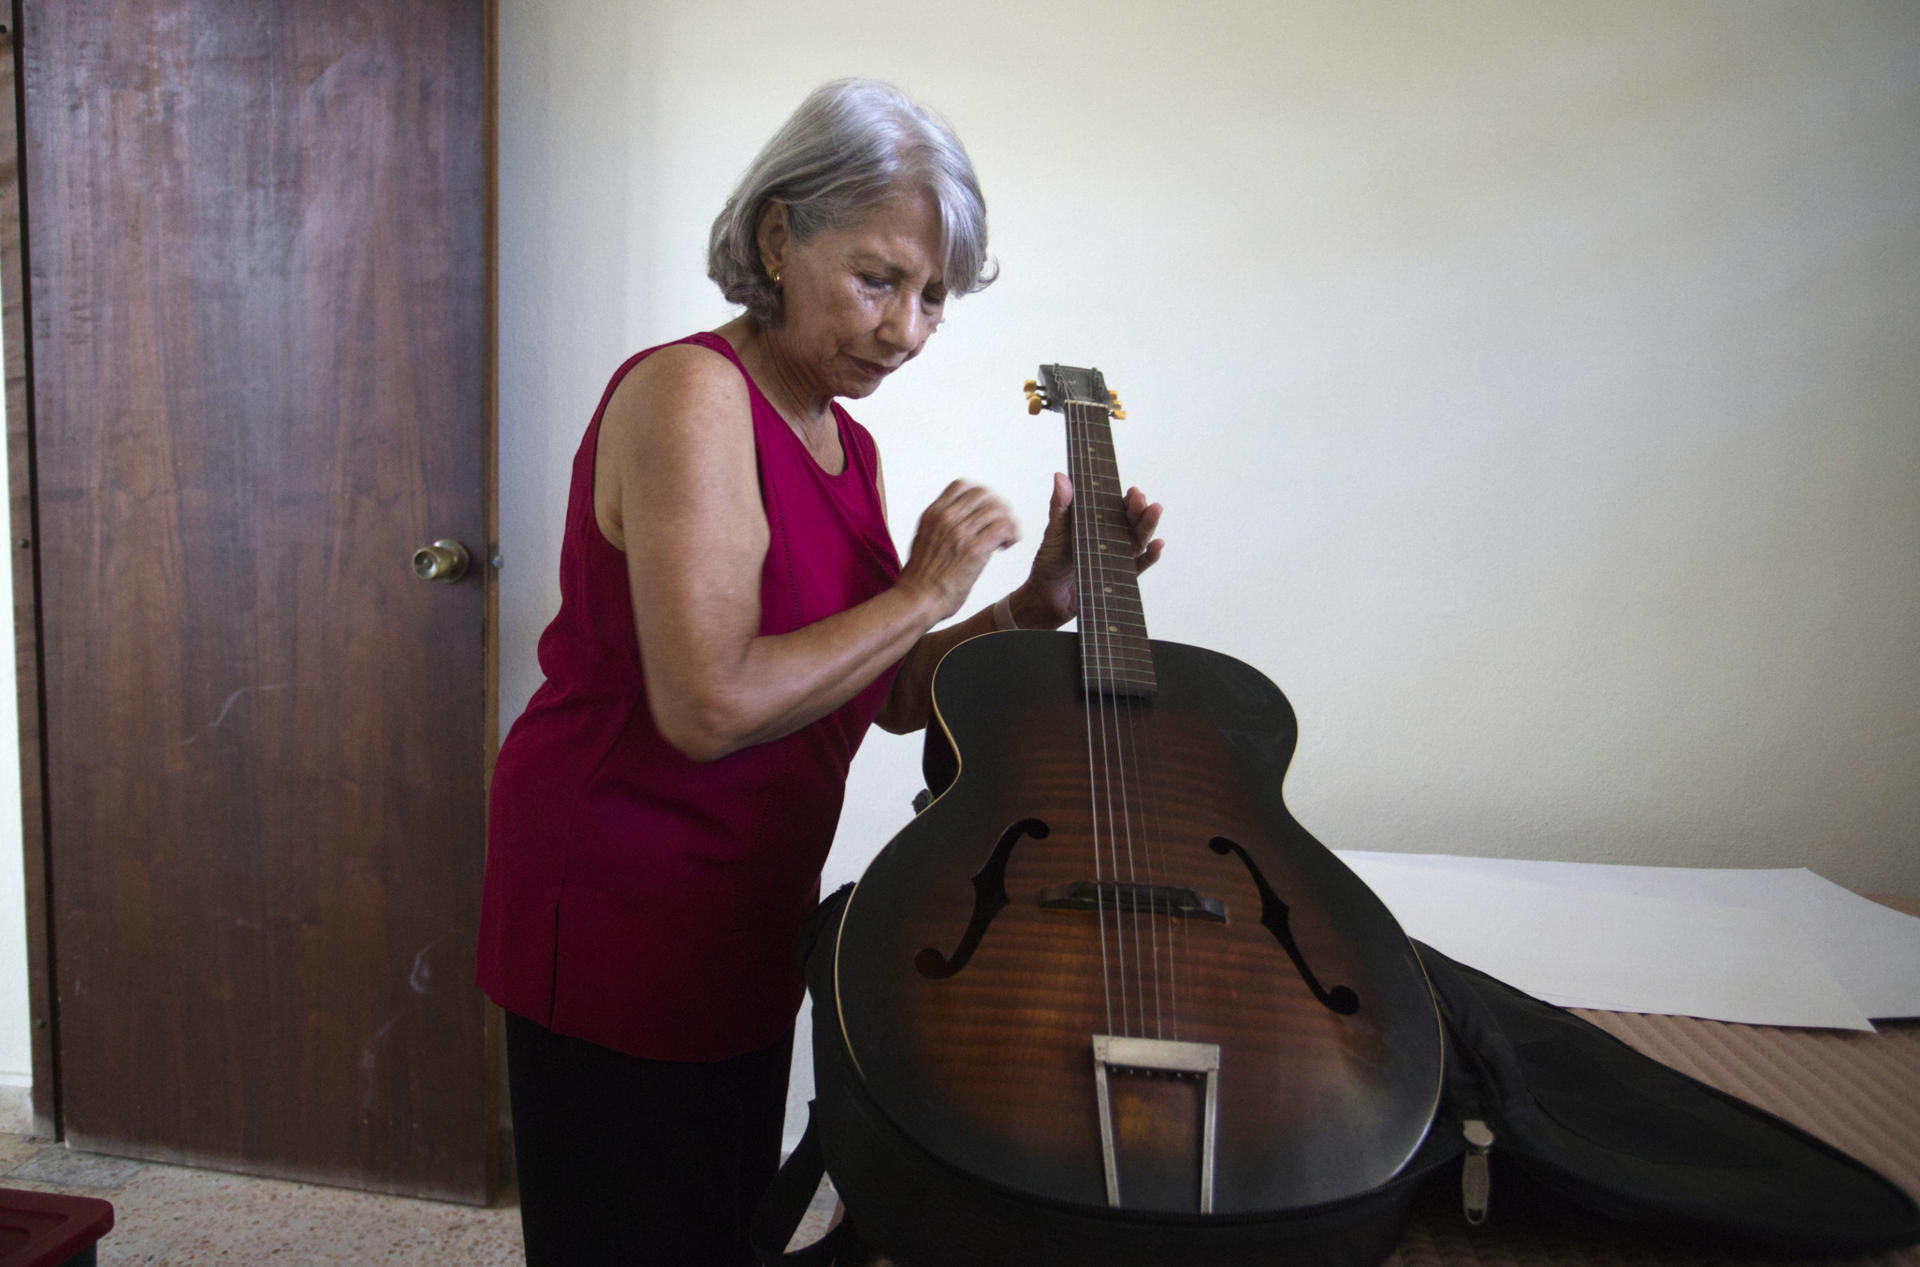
(629, 1162)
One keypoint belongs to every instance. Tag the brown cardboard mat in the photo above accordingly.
(1858, 1092)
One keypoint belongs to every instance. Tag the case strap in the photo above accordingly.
(781, 1210)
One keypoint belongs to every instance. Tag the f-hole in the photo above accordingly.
(1273, 915)
(989, 899)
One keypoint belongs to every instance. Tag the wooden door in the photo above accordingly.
(258, 299)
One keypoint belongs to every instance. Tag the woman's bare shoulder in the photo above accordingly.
(676, 441)
(679, 383)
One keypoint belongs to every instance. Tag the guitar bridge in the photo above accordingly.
(1157, 1055)
(1128, 898)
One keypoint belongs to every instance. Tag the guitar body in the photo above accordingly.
(1044, 900)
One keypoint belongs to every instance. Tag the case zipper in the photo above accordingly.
(1476, 1179)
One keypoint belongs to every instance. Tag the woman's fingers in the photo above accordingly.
(1145, 518)
(957, 534)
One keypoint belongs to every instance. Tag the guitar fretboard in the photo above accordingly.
(1115, 658)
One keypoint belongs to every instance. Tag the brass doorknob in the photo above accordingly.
(445, 560)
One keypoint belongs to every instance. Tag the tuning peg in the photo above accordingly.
(1121, 414)
(1031, 386)
(1034, 403)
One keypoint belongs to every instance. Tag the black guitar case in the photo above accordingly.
(1542, 1112)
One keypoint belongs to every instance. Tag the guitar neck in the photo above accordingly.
(1115, 657)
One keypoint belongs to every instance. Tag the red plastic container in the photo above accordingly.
(50, 1229)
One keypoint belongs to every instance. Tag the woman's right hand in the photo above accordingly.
(956, 536)
(677, 489)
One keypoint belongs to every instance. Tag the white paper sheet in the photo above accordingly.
(1757, 947)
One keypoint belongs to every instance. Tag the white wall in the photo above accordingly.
(1534, 389)
(16, 1013)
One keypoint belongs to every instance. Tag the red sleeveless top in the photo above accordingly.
(636, 898)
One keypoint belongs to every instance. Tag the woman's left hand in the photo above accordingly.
(1051, 598)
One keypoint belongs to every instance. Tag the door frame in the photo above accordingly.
(23, 540)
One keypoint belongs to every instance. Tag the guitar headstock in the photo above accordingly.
(1060, 385)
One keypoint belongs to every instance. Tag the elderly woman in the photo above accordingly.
(733, 617)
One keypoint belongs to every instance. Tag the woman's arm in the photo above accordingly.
(675, 488)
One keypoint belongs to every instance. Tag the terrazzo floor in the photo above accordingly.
(171, 1216)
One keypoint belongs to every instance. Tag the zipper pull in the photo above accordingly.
(1476, 1180)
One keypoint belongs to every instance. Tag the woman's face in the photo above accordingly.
(858, 302)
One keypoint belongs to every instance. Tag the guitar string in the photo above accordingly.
(1077, 518)
(1095, 651)
(1117, 786)
(1118, 671)
(1139, 742)
(1148, 766)
(1139, 762)
(1112, 787)
(1126, 914)
(1141, 756)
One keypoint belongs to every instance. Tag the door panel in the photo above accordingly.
(258, 288)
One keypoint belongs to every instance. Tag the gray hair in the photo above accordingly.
(852, 145)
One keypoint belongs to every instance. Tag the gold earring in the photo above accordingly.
(776, 277)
